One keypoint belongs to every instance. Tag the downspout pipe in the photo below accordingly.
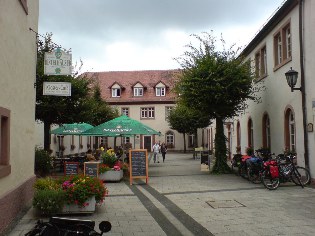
(304, 111)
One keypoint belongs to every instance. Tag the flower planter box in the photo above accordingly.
(75, 209)
(112, 176)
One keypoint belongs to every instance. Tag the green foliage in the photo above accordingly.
(249, 151)
(46, 183)
(49, 201)
(84, 105)
(217, 83)
(109, 158)
(186, 120)
(43, 162)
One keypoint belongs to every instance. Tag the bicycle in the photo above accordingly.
(255, 165)
(284, 169)
(57, 226)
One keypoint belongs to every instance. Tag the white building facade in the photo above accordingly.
(283, 119)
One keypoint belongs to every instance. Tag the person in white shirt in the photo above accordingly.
(156, 150)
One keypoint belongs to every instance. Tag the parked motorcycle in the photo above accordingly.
(57, 226)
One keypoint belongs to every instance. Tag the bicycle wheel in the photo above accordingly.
(269, 182)
(302, 174)
(253, 175)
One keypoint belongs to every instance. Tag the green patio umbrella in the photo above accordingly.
(121, 126)
(72, 129)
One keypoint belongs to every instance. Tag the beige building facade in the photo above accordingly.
(146, 96)
(17, 106)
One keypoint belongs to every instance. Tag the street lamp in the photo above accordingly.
(291, 77)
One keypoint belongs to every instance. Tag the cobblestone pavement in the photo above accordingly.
(180, 199)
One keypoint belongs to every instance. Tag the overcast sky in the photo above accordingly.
(119, 35)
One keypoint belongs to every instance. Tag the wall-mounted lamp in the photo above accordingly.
(291, 77)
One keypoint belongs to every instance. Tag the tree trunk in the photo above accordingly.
(46, 136)
(220, 165)
(184, 135)
(196, 138)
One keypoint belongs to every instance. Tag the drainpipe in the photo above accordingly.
(304, 111)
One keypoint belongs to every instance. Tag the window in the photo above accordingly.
(125, 111)
(283, 45)
(257, 65)
(191, 140)
(115, 92)
(170, 142)
(126, 140)
(290, 130)
(266, 132)
(160, 91)
(147, 112)
(261, 63)
(167, 112)
(250, 131)
(288, 42)
(238, 134)
(137, 92)
(5, 167)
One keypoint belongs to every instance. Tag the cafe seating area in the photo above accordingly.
(59, 160)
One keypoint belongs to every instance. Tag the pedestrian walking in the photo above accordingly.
(156, 150)
(163, 150)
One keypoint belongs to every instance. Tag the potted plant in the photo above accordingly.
(111, 169)
(69, 194)
(48, 198)
(43, 162)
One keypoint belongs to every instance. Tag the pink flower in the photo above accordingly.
(116, 168)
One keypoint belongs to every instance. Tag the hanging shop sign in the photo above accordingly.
(58, 62)
(57, 88)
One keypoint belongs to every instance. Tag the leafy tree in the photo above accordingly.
(217, 83)
(186, 121)
(81, 106)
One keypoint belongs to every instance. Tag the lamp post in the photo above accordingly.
(291, 77)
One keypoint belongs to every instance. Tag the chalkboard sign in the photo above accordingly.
(138, 161)
(91, 169)
(71, 168)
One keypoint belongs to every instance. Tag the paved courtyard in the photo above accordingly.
(180, 199)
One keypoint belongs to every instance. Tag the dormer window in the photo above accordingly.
(138, 90)
(160, 90)
(115, 92)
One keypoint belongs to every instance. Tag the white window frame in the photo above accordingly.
(137, 91)
(288, 41)
(160, 91)
(116, 92)
(125, 111)
(170, 138)
(168, 110)
(147, 112)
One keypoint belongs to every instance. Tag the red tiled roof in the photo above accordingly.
(127, 79)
